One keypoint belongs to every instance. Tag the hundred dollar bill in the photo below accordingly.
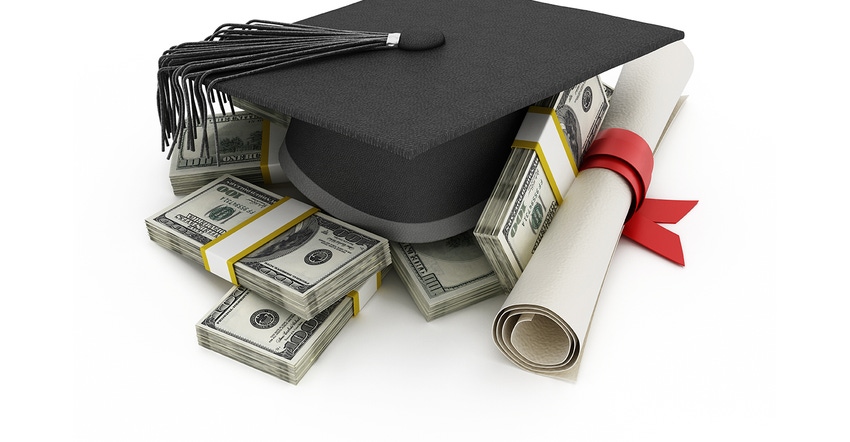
(445, 276)
(257, 332)
(264, 335)
(523, 202)
(247, 148)
(303, 266)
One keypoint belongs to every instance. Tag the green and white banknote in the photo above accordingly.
(246, 147)
(280, 248)
(257, 332)
(445, 276)
(523, 200)
(262, 334)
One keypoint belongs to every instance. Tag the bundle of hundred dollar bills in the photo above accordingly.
(246, 147)
(261, 334)
(279, 248)
(445, 276)
(299, 285)
(531, 184)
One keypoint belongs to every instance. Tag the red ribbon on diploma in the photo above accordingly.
(626, 153)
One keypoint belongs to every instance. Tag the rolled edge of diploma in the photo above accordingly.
(544, 321)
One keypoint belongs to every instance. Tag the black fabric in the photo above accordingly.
(439, 183)
(421, 39)
(408, 142)
(499, 56)
(412, 232)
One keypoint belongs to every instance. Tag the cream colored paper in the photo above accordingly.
(543, 323)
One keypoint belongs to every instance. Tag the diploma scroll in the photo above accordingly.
(544, 321)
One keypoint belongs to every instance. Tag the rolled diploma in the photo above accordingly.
(544, 321)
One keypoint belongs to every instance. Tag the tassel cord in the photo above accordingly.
(187, 76)
(256, 68)
(196, 73)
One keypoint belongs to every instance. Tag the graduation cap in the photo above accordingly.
(409, 142)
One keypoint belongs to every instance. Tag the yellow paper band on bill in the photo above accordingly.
(364, 293)
(222, 253)
(541, 132)
(355, 296)
(556, 125)
(520, 144)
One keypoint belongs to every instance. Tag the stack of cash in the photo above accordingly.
(523, 203)
(242, 144)
(260, 333)
(445, 276)
(304, 268)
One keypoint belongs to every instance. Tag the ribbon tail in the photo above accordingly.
(666, 211)
(647, 233)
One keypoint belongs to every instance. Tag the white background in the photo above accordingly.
(747, 342)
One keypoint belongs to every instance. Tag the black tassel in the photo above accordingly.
(188, 73)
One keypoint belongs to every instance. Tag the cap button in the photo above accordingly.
(420, 39)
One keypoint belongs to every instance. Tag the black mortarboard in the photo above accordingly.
(409, 144)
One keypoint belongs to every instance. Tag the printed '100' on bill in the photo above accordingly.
(304, 268)
(257, 332)
(523, 202)
(246, 147)
(445, 276)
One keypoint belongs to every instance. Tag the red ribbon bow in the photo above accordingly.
(629, 155)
